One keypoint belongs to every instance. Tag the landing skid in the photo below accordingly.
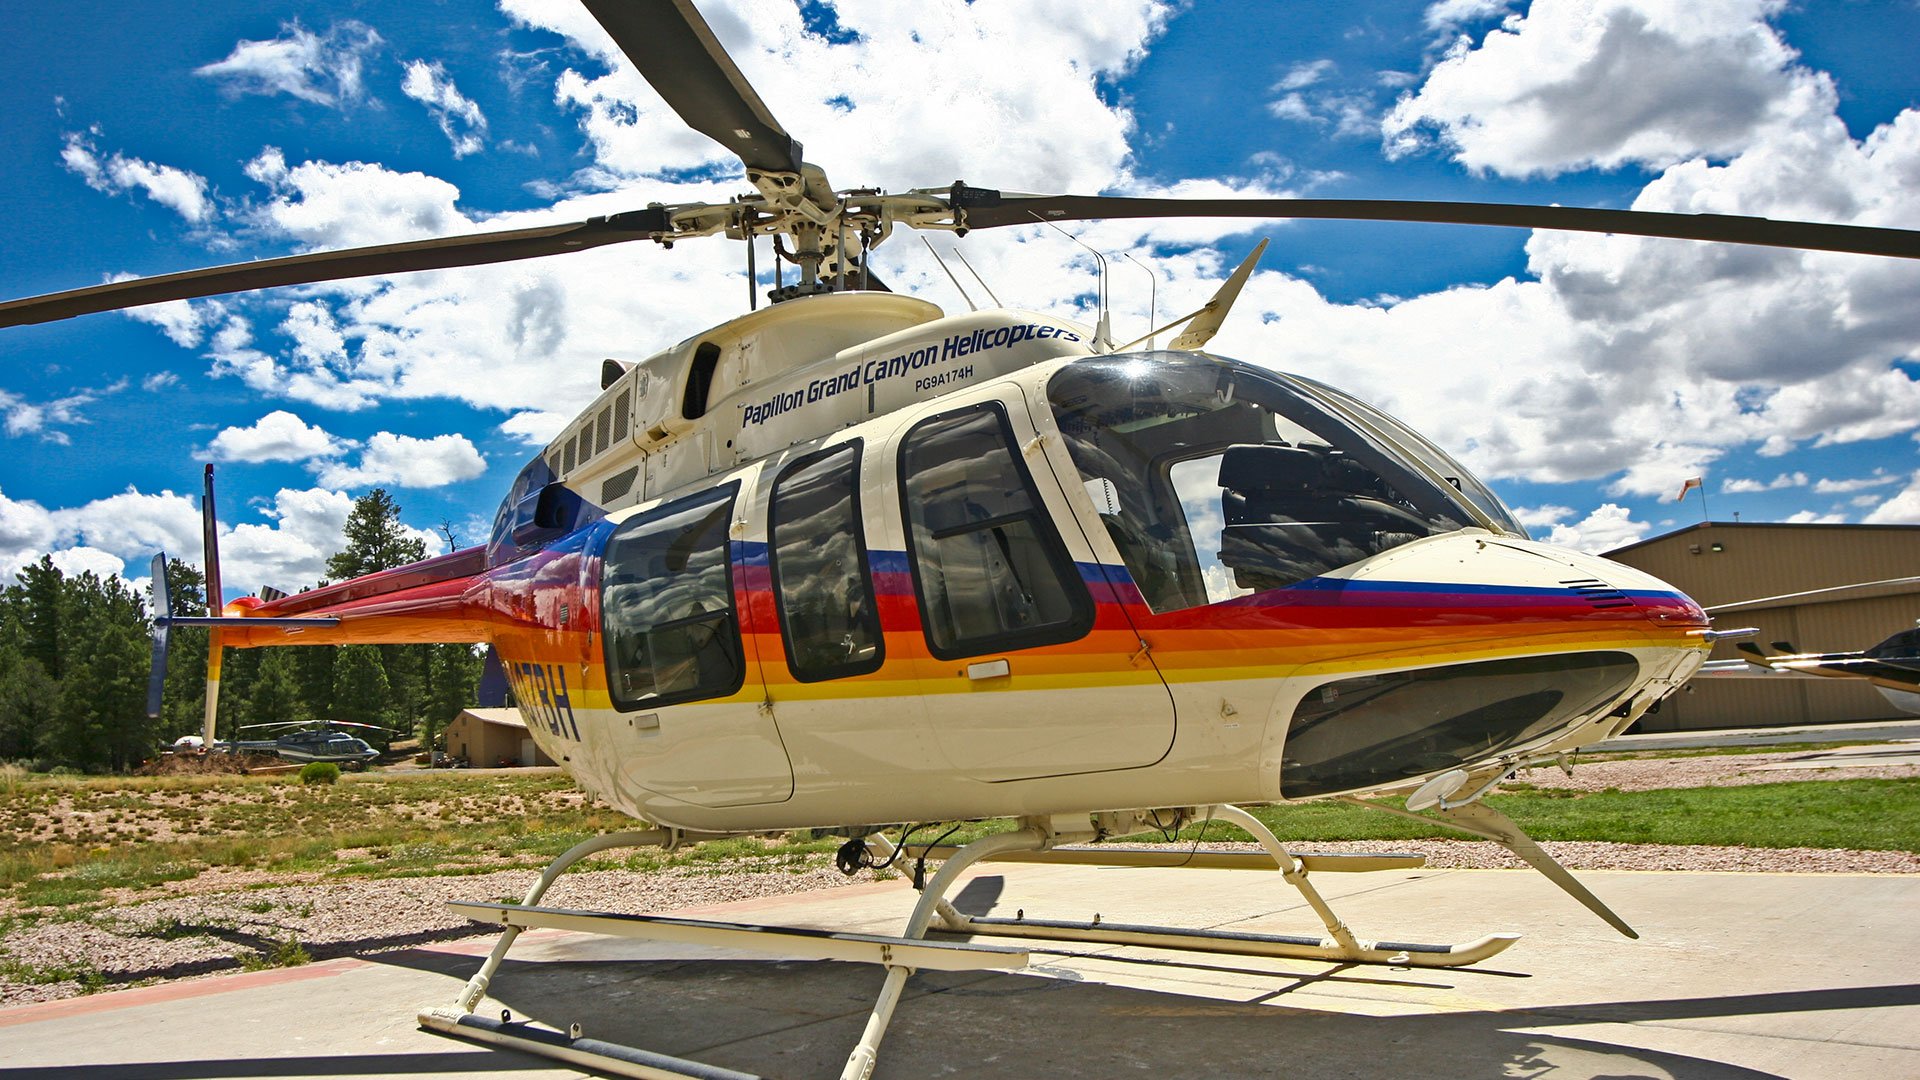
(910, 951)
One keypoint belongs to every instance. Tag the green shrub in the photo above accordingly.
(319, 772)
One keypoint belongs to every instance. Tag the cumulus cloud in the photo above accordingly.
(277, 436)
(1744, 486)
(1449, 14)
(1609, 526)
(183, 192)
(1902, 509)
(1814, 517)
(324, 69)
(408, 462)
(534, 427)
(460, 119)
(288, 549)
(1880, 478)
(43, 418)
(1611, 82)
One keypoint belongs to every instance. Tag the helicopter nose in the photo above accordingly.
(1611, 583)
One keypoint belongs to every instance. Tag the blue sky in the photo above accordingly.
(1585, 377)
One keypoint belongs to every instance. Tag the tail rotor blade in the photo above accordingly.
(162, 632)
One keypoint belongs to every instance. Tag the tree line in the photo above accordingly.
(75, 652)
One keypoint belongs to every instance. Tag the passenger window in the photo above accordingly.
(821, 589)
(989, 570)
(666, 605)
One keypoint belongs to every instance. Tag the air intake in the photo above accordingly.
(1598, 593)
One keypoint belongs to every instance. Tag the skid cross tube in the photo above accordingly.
(1339, 945)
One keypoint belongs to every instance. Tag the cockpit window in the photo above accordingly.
(1436, 459)
(1216, 479)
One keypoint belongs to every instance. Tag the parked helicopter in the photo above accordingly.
(308, 743)
(850, 561)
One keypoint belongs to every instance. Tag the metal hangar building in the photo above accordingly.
(1824, 588)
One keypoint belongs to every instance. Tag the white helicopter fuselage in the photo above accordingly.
(1129, 706)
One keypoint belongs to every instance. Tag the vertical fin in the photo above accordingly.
(216, 603)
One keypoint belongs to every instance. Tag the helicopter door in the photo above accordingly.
(1027, 674)
(680, 671)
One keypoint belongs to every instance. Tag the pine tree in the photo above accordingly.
(313, 674)
(100, 720)
(360, 693)
(453, 675)
(39, 598)
(375, 539)
(276, 690)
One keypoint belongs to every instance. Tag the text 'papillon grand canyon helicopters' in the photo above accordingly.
(849, 561)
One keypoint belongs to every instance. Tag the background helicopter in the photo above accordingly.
(1009, 526)
(309, 743)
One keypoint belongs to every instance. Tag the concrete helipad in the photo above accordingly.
(1735, 975)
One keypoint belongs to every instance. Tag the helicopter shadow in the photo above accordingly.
(800, 1018)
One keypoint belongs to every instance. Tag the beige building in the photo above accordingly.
(488, 737)
(1822, 588)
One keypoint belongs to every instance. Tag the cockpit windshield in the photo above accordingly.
(1216, 479)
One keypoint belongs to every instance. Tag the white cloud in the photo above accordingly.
(1447, 14)
(1540, 517)
(1843, 487)
(1609, 526)
(459, 118)
(1611, 82)
(277, 436)
(158, 381)
(408, 462)
(534, 427)
(1902, 509)
(288, 550)
(1743, 486)
(322, 69)
(43, 418)
(1810, 517)
(183, 192)
(75, 561)
(1304, 74)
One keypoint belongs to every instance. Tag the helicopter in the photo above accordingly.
(308, 743)
(851, 562)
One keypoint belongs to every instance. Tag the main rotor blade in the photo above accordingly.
(436, 254)
(677, 53)
(984, 209)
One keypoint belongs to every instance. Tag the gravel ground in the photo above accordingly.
(210, 923)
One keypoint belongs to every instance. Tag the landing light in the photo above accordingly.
(1437, 790)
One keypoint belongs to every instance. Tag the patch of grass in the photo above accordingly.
(288, 953)
(90, 979)
(1875, 815)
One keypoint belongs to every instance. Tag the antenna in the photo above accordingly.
(971, 306)
(1103, 331)
(1153, 296)
(976, 276)
(753, 278)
